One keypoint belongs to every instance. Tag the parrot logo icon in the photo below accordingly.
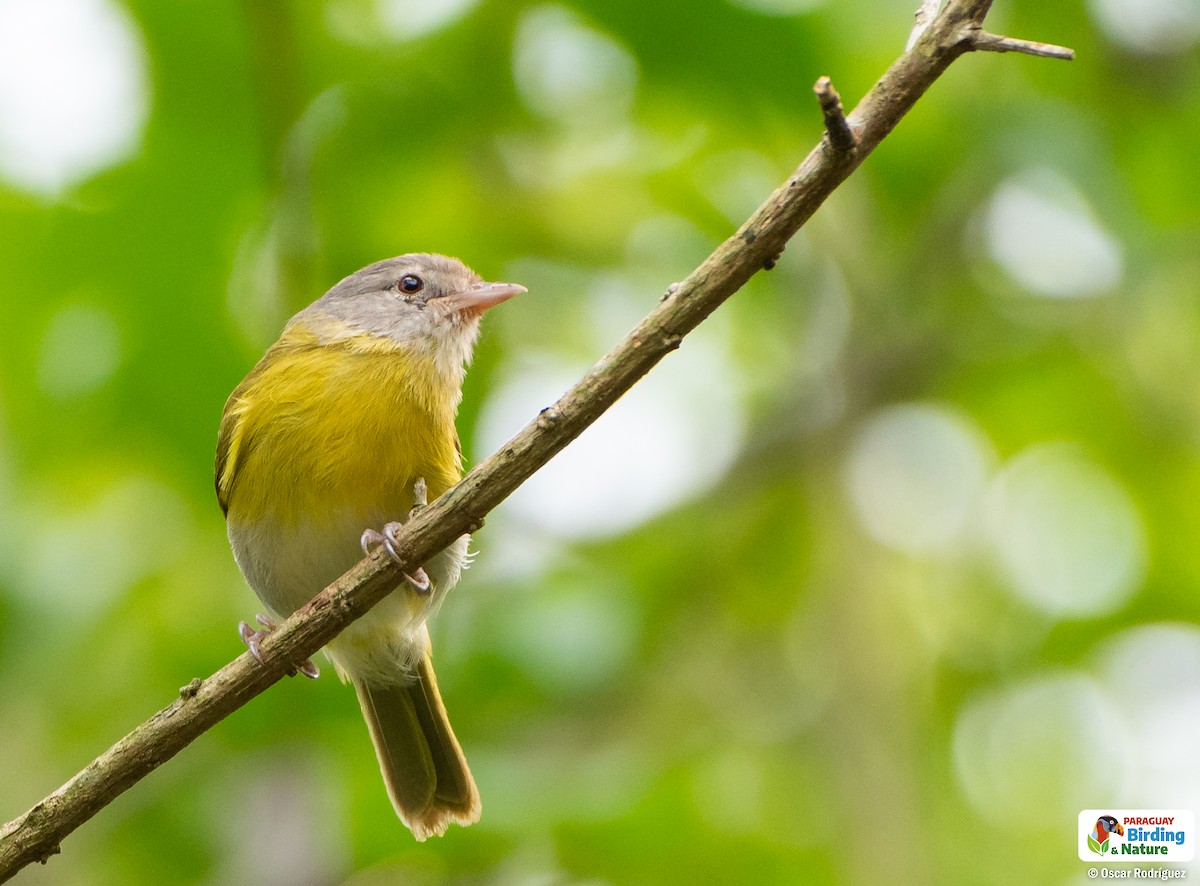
(1105, 827)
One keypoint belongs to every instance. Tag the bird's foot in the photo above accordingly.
(253, 639)
(417, 579)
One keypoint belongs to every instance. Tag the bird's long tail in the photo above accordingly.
(423, 766)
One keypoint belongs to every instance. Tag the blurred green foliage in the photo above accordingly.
(893, 577)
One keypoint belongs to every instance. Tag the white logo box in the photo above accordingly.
(1150, 835)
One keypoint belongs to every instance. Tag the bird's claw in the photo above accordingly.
(253, 640)
(308, 668)
(417, 579)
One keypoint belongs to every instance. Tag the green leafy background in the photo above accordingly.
(893, 563)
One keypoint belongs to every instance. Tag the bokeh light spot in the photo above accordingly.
(1152, 673)
(915, 475)
(1043, 235)
(1039, 751)
(569, 71)
(398, 20)
(81, 557)
(778, 7)
(80, 351)
(1153, 27)
(1068, 537)
(671, 437)
(73, 93)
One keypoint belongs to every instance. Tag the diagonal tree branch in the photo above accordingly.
(36, 835)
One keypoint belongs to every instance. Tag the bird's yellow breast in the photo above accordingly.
(336, 427)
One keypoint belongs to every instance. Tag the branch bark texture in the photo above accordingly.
(36, 835)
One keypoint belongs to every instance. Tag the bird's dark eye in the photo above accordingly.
(411, 283)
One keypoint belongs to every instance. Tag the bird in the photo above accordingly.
(1105, 827)
(346, 420)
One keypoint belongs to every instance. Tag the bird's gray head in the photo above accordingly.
(420, 300)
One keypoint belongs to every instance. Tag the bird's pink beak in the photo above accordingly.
(481, 296)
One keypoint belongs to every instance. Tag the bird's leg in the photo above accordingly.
(253, 639)
(420, 496)
(417, 579)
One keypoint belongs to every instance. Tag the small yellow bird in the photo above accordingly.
(336, 429)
